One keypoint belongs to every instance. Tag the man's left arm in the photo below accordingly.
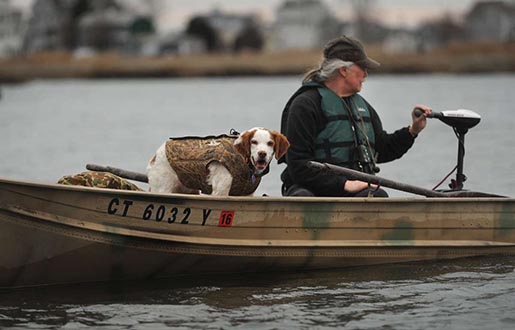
(389, 146)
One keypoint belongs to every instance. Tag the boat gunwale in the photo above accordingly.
(257, 199)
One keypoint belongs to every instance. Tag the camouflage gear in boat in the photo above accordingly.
(98, 180)
(190, 157)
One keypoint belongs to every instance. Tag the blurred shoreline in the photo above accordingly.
(457, 58)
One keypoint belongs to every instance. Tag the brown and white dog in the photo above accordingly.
(219, 166)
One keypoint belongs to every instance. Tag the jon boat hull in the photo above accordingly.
(52, 234)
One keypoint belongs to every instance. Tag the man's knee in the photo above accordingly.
(296, 190)
(371, 192)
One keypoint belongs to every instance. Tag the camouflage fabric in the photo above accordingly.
(190, 156)
(98, 180)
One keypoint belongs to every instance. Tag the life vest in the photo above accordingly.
(190, 157)
(345, 141)
(338, 142)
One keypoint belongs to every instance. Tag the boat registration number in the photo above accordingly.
(167, 213)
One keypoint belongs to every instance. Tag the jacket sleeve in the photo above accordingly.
(305, 120)
(390, 146)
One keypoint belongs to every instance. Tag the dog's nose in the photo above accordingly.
(262, 154)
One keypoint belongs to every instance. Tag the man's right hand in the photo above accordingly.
(354, 186)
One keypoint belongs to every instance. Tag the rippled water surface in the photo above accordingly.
(464, 294)
(53, 128)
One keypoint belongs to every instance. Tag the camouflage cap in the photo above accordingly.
(349, 49)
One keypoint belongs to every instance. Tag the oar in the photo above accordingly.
(356, 175)
(141, 177)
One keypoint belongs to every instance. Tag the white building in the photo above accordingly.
(401, 41)
(178, 44)
(106, 28)
(11, 29)
(49, 27)
(303, 24)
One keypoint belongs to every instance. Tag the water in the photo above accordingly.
(465, 294)
(53, 128)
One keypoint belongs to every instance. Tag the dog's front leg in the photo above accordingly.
(219, 178)
(161, 176)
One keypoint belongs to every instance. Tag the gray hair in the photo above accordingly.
(328, 68)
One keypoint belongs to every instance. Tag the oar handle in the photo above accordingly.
(356, 175)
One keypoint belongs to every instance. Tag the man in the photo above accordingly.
(326, 120)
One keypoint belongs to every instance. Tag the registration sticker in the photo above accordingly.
(226, 218)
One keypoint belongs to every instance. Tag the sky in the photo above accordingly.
(406, 13)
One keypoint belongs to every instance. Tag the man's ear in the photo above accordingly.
(343, 71)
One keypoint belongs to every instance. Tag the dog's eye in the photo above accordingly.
(270, 143)
(254, 142)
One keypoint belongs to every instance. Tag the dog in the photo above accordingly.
(224, 165)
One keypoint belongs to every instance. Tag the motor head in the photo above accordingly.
(461, 119)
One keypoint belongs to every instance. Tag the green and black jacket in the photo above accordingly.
(304, 123)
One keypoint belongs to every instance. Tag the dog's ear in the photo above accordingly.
(281, 144)
(242, 144)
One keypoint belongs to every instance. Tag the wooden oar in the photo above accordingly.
(356, 175)
(351, 174)
(141, 177)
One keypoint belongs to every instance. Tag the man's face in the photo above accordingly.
(355, 77)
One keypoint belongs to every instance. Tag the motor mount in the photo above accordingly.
(461, 121)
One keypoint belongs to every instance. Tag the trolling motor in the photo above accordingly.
(461, 121)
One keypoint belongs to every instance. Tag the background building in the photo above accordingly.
(98, 25)
(303, 24)
(491, 21)
(11, 29)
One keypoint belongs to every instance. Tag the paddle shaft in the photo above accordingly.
(141, 177)
(356, 175)
(352, 174)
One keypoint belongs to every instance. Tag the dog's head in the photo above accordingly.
(258, 145)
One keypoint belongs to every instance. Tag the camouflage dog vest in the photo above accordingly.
(190, 157)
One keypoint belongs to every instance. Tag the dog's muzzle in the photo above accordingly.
(261, 162)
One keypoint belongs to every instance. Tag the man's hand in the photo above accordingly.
(419, 123)
(354, 186)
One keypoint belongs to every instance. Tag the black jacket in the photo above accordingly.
(302, 120)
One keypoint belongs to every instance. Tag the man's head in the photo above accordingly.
(349, 50)
(344, 57)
